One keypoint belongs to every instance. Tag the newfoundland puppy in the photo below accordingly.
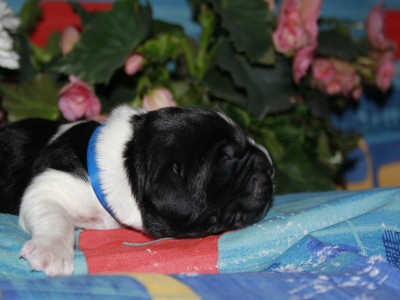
(175, 172)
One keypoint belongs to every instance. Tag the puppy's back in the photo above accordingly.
(20, 144)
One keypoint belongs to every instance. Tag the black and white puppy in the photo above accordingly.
(175, 172)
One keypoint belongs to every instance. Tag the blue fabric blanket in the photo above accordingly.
(337, 245)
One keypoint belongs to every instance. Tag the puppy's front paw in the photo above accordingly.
(51, 256)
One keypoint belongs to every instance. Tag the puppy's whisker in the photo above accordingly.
(145, 243)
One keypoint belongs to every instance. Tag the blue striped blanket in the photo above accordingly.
(338, 244)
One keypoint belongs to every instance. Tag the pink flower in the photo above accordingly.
(133, 64)
(289, 34)
(386, 71)
(301, 62)
(158, 98)
(375, 29)
(346, 76)
(323, 70)
(297, 25)
(310, 11)
(336, 77)
(296, 33)
(324, 76)
(69, 37)
(77, 100)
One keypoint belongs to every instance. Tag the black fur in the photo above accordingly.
(24, 153)
(195, 174)
(20, 144)
(68, 153)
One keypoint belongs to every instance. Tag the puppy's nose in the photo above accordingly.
(262, 187)
(262, 181)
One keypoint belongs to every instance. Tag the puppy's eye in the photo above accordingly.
(225, 157)
(227, 153)
(176, 169)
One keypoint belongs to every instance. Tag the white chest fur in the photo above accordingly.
(64, 191)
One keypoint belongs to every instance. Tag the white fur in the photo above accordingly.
(53, 256)
(52, 206)
(227, 119)
(113, 177)
(57, 202)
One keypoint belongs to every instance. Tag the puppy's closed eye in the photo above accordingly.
(227, 153)
(178, 170)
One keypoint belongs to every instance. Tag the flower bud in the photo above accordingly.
(133, 64)
(69, 37)
(158, 98)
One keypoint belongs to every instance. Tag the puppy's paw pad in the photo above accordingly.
(53, 257)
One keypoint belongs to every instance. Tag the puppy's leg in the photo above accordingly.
(51, 248)
(48, 209)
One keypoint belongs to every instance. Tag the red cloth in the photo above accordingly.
(392, 27)
(57, 15)
(106, 251)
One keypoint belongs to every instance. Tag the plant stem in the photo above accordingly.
(198, 63)
(188, 54)
(207, 21)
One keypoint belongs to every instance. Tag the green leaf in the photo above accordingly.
(297, 172)
(270, 140)
(153, 76)
(29, 15)
(323, 148)
(27, 70)
(339, 45)
(52, 48)
(107, 42)
(161, 48)
(159, 26)
(85, 16)
(241, 116)
(36, 98)
(121, 89)
(221, 86)
(250, 26)
(50, 51)
(267, 89)
(318, 103)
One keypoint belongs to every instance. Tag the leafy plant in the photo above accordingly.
(240, 64)
(104, 47)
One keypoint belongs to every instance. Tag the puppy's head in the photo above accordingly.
(195, 173)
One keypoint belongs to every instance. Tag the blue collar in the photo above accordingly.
(93, 171)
